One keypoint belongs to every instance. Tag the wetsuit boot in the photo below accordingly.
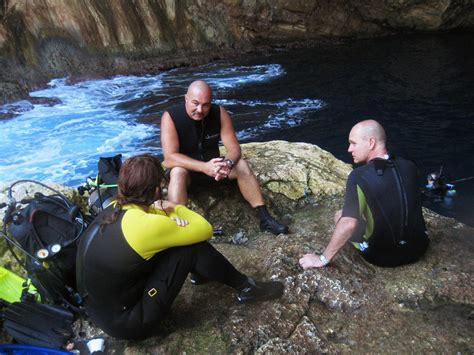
(256, 291)
(268, 223)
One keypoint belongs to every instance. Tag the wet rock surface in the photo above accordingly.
(13, 109)
(349, 306)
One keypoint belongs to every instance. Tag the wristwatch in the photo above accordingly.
(323, 260)
(229, 162)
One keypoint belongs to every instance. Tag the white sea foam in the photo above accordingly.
(63, 142)
(242, 75)
(285, 113)
(96, 118)
(223, 77)
(16, 107)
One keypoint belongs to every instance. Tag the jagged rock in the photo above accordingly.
(349, 306)
(48, 38)
(9, 92)
(297, 170)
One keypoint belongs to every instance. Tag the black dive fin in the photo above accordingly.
(38, 324)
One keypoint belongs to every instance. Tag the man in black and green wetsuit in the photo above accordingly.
(382, 210)
(190, 135)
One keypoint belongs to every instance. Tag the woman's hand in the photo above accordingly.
(179, 221)
(169, 207)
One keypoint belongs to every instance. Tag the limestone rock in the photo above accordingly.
(297, 170)
(350, 306)
(49, 38)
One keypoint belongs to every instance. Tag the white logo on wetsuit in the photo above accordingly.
(363, 246)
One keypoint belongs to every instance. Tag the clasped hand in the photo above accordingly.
(217, 168)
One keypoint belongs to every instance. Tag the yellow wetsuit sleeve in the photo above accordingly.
(151, 232)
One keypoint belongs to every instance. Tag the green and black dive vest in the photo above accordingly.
(385, 195)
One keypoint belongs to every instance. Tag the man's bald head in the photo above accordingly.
(371, 128)
(367, 141)
(198, 100)
(199, 86)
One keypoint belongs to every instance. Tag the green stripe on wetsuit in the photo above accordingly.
(366, 213)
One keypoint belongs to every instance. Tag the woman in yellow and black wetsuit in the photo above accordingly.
(135, 257)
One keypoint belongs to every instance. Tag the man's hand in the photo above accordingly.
(309, 261)
(216, 168)
(224, 171)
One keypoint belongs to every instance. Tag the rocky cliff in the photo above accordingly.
(349, 306)
(49, 38)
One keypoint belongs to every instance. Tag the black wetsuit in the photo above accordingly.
(130, 272)
(197, 139)
(384, 196)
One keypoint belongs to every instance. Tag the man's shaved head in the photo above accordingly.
(198, 100)
(367, 141)
(199, 86)
(370, 128)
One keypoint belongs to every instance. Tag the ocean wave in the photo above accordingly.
(243, 75)
(96, 118)
(285, 113)
(125, 137)
(100, 93)
(222, 76)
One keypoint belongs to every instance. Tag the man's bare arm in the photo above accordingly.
(229, 139)
(345, 228)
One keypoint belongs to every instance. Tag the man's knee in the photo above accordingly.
(242, 169)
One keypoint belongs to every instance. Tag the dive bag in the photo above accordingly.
(103, 189)
(47, 230)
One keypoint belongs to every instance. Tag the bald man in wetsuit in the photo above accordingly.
(190, 135)
(382, 214)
